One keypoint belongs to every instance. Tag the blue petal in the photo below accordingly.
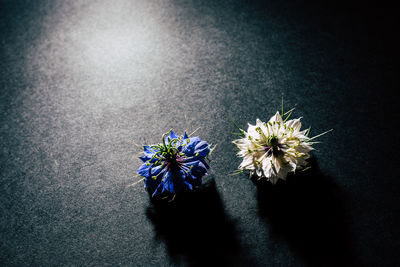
(202, 153)
(197, 154)
(188, 185)
(190, 163)
(151, 184)
(190, 148)
(144, 170)
(159, 190)
(205, 163)
(144, 158)
(179, 180)
(194, 181)
(190, 160)
(148, 158)
(172, 135)
(201, 145)
(156, 170)
(168, 182)
(200, 170)
(169, 137)
(150, 150)
(148, 154)
(179, 146)
(194, 140)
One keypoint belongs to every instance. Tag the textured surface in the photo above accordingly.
(80, 79)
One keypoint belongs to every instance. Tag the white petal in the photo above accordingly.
(247, 163)
(274, 179)
(276, 118)
(295, 124)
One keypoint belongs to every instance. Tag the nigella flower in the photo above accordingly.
(177, 164)
(271, 150)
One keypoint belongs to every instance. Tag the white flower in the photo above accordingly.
(272, 150)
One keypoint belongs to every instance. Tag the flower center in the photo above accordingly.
(172, 158)
(168, 153)
(273, 142)
(273, 145)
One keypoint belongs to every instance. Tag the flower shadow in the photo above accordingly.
(308, 212)
(196, 229)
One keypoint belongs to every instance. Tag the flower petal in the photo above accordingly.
(172, 135)
(144, 170)
(203, 152)
(201, 145)
(156, 170)
(276, 118)
(168, 182)
(189, 149)
(199, 170)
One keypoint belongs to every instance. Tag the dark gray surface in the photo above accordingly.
(80, 79)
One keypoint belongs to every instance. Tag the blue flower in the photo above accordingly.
(177, 164)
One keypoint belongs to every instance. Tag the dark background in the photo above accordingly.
(81, 79)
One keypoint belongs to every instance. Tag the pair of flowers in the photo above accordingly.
(270, 150)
